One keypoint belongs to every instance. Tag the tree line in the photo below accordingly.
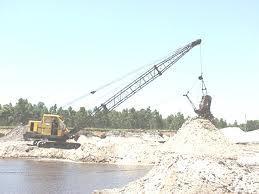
(23, 111)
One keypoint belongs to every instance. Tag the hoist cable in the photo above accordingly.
(201, 62)
(199, 78)
(194, 84)
(203, 86)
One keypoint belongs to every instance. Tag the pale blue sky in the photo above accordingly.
(55, 51)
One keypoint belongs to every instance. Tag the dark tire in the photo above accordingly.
(72, 146)
(35, 142)
(40, 144)
(76, 146)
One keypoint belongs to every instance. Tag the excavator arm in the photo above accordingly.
(147, 77)
(188, 98)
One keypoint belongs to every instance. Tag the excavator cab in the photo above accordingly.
(52, 125)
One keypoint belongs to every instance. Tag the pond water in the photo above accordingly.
(30, 176)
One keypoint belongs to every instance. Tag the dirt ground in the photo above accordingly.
(198, 159)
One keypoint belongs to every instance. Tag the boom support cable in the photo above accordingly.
(104, 86)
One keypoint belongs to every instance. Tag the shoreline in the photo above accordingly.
(76, 162)
(115, 150)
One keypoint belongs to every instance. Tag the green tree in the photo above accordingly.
(7, 114)
(23, 111)
(115, 119)
(156, 121)
(133, 118)
(39, 110)
(70, 119)
(252, 125)
(53, 109)
(143, 118)
(174, 122)
(125, 120)
(82, 119)
(101, 118)
(220, 123)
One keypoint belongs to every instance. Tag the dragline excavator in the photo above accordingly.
(52, 132)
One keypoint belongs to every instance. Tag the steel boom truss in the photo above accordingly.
(147, 77)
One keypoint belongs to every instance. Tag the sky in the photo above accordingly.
(56, 51)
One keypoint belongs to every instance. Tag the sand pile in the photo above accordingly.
(193, 174)
(236, 135)
(198, 159)
(14, 134)
(122, 150)
(201, 137)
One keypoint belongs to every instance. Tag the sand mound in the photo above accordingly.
(201, 137)
(198, 159)
(233, 134)
(236, 135)
(192, 174)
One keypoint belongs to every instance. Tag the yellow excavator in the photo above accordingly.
(50, 132)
